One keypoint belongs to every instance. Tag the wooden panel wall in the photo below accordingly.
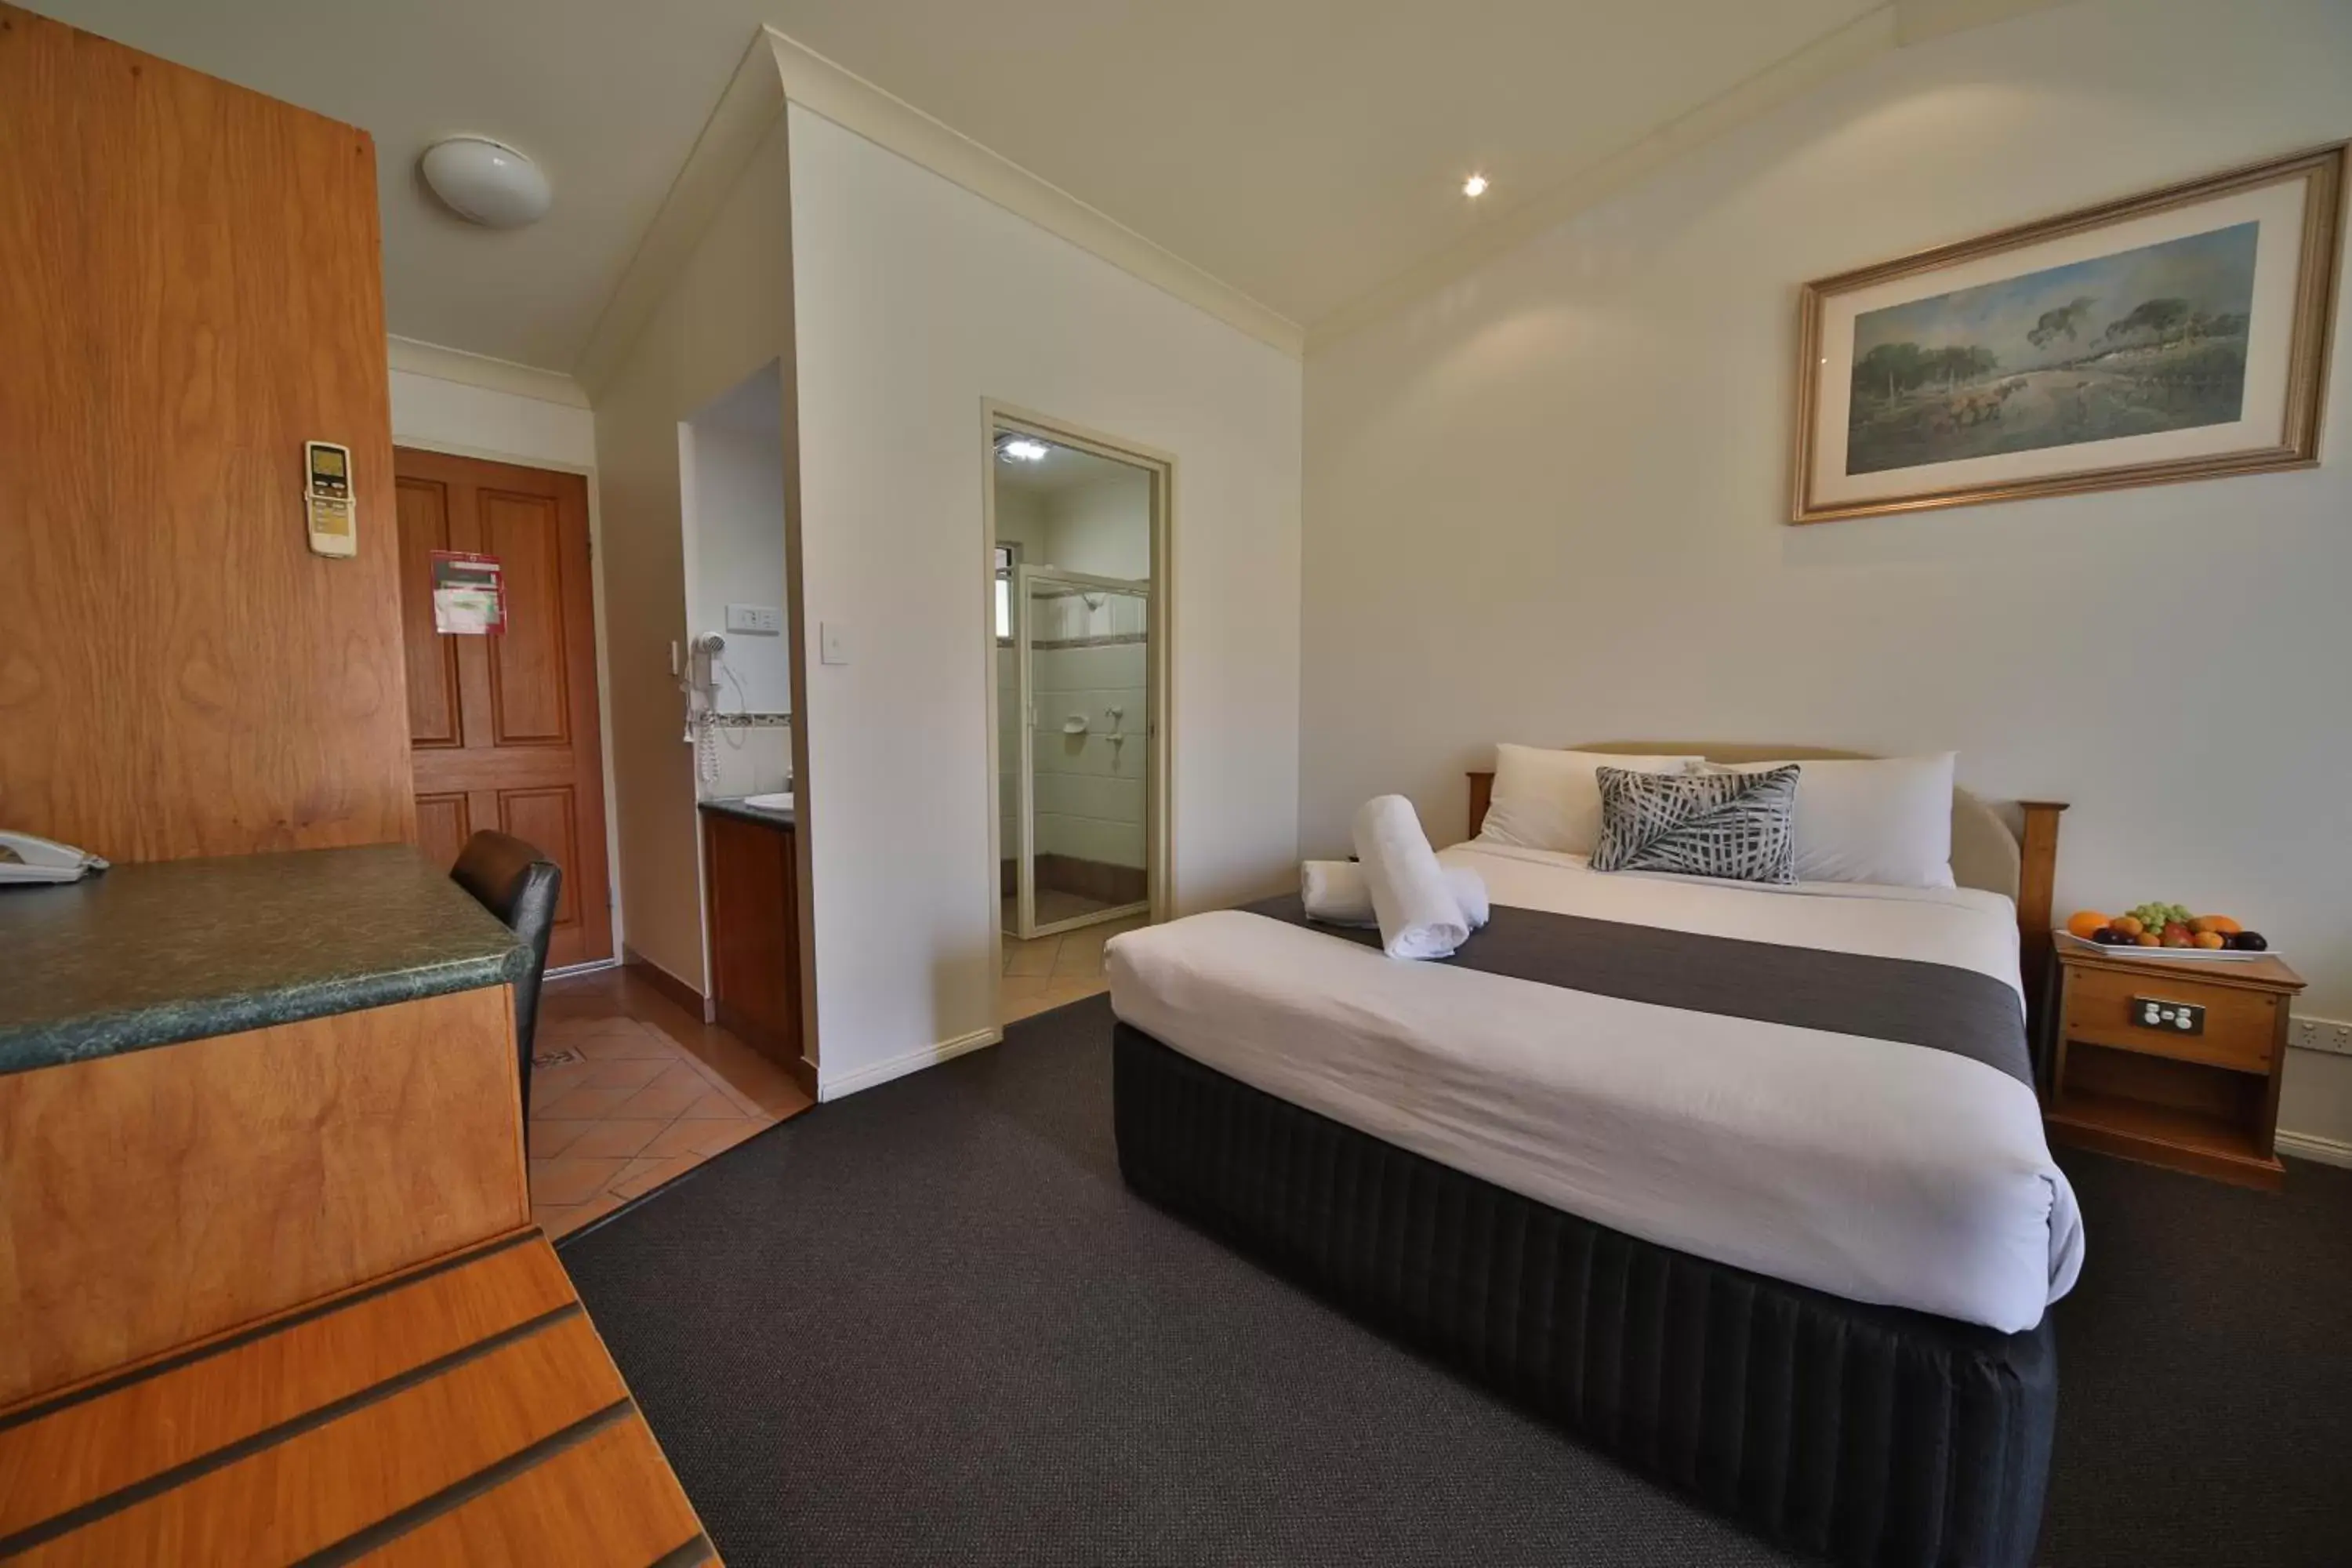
(189, 289)
(273, 1167)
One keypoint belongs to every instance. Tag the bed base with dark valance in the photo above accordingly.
(1863, 1434)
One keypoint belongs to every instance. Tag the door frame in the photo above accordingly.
(587, 472)
(1024, 650)
(1159, 837)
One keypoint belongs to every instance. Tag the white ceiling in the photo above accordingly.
(1065, 468)
(1303, 151)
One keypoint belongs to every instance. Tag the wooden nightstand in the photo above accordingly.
(2129, 1078)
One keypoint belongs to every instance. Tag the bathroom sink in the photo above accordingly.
(770, 802)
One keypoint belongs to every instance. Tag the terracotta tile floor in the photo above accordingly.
(1049, 971)
(629, 1091)
(1054, 905)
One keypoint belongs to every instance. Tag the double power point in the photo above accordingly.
(2320, 1035)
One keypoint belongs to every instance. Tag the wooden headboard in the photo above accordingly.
(1986, 853)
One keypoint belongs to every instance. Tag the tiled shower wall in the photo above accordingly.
(1091, 787)
(1092, 803)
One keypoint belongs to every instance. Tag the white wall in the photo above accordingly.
(456, 417)
(1548, 503)
(735, 555)
(1103, 527)
(915, 300)
(1020, 519)
(728, 314)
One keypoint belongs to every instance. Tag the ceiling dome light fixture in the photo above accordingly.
(1475, 186)
(1020, 449)
(486, 182)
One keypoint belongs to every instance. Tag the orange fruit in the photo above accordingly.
(2148, 939)
(2223, 924)
(2208, 939)
(2085, 922)
(2128, 925)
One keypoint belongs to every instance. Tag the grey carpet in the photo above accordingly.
(927, 1324)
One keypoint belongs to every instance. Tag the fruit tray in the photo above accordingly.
(2068, 940)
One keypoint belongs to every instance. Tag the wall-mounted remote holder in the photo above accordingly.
(328, 510)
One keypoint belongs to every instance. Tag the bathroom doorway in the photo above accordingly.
(1077, 539)
(738, 671)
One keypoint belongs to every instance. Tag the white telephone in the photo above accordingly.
(699, 681)
(25, 859)
(702, 657)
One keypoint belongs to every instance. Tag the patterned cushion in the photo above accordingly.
(1737, 826)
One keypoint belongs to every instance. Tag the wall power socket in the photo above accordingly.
(2319, 1035)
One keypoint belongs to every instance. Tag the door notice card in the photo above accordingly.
(469, 594)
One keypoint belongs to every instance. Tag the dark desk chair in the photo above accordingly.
(518, 884)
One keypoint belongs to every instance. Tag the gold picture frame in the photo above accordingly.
(2154, 319)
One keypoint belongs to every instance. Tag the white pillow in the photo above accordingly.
(1551, 800)
(1886, 820)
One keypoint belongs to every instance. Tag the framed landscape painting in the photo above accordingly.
(2177, 335)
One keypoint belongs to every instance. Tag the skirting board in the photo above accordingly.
(2312, 1146)
(899, 1067)
(668, 984)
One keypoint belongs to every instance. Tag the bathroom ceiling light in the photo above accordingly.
(1475, 186)
(486, 182)
(1020, 449)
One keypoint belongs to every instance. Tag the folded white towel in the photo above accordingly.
(1419, 915)
(1335, 893)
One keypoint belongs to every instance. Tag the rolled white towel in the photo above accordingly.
(1335, 893)
(1419, 915)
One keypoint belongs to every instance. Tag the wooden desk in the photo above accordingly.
(465, 1411)
(268, 1288)
(230, 1086)
(155, 1198)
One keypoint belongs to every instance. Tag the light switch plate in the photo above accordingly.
(759, 620)
(833, 640)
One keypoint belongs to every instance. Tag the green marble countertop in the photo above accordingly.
(178, 950)
(734, 806)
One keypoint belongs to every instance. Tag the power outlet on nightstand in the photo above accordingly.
(2319, 1035)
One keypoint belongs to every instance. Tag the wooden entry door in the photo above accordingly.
(502, 729)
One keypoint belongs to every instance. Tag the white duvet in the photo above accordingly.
(1875, 1171)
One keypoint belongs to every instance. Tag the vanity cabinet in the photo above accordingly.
(750, 876)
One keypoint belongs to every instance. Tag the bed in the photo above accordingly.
(1745, 1186)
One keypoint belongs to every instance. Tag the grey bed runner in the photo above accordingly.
(1900, 999)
